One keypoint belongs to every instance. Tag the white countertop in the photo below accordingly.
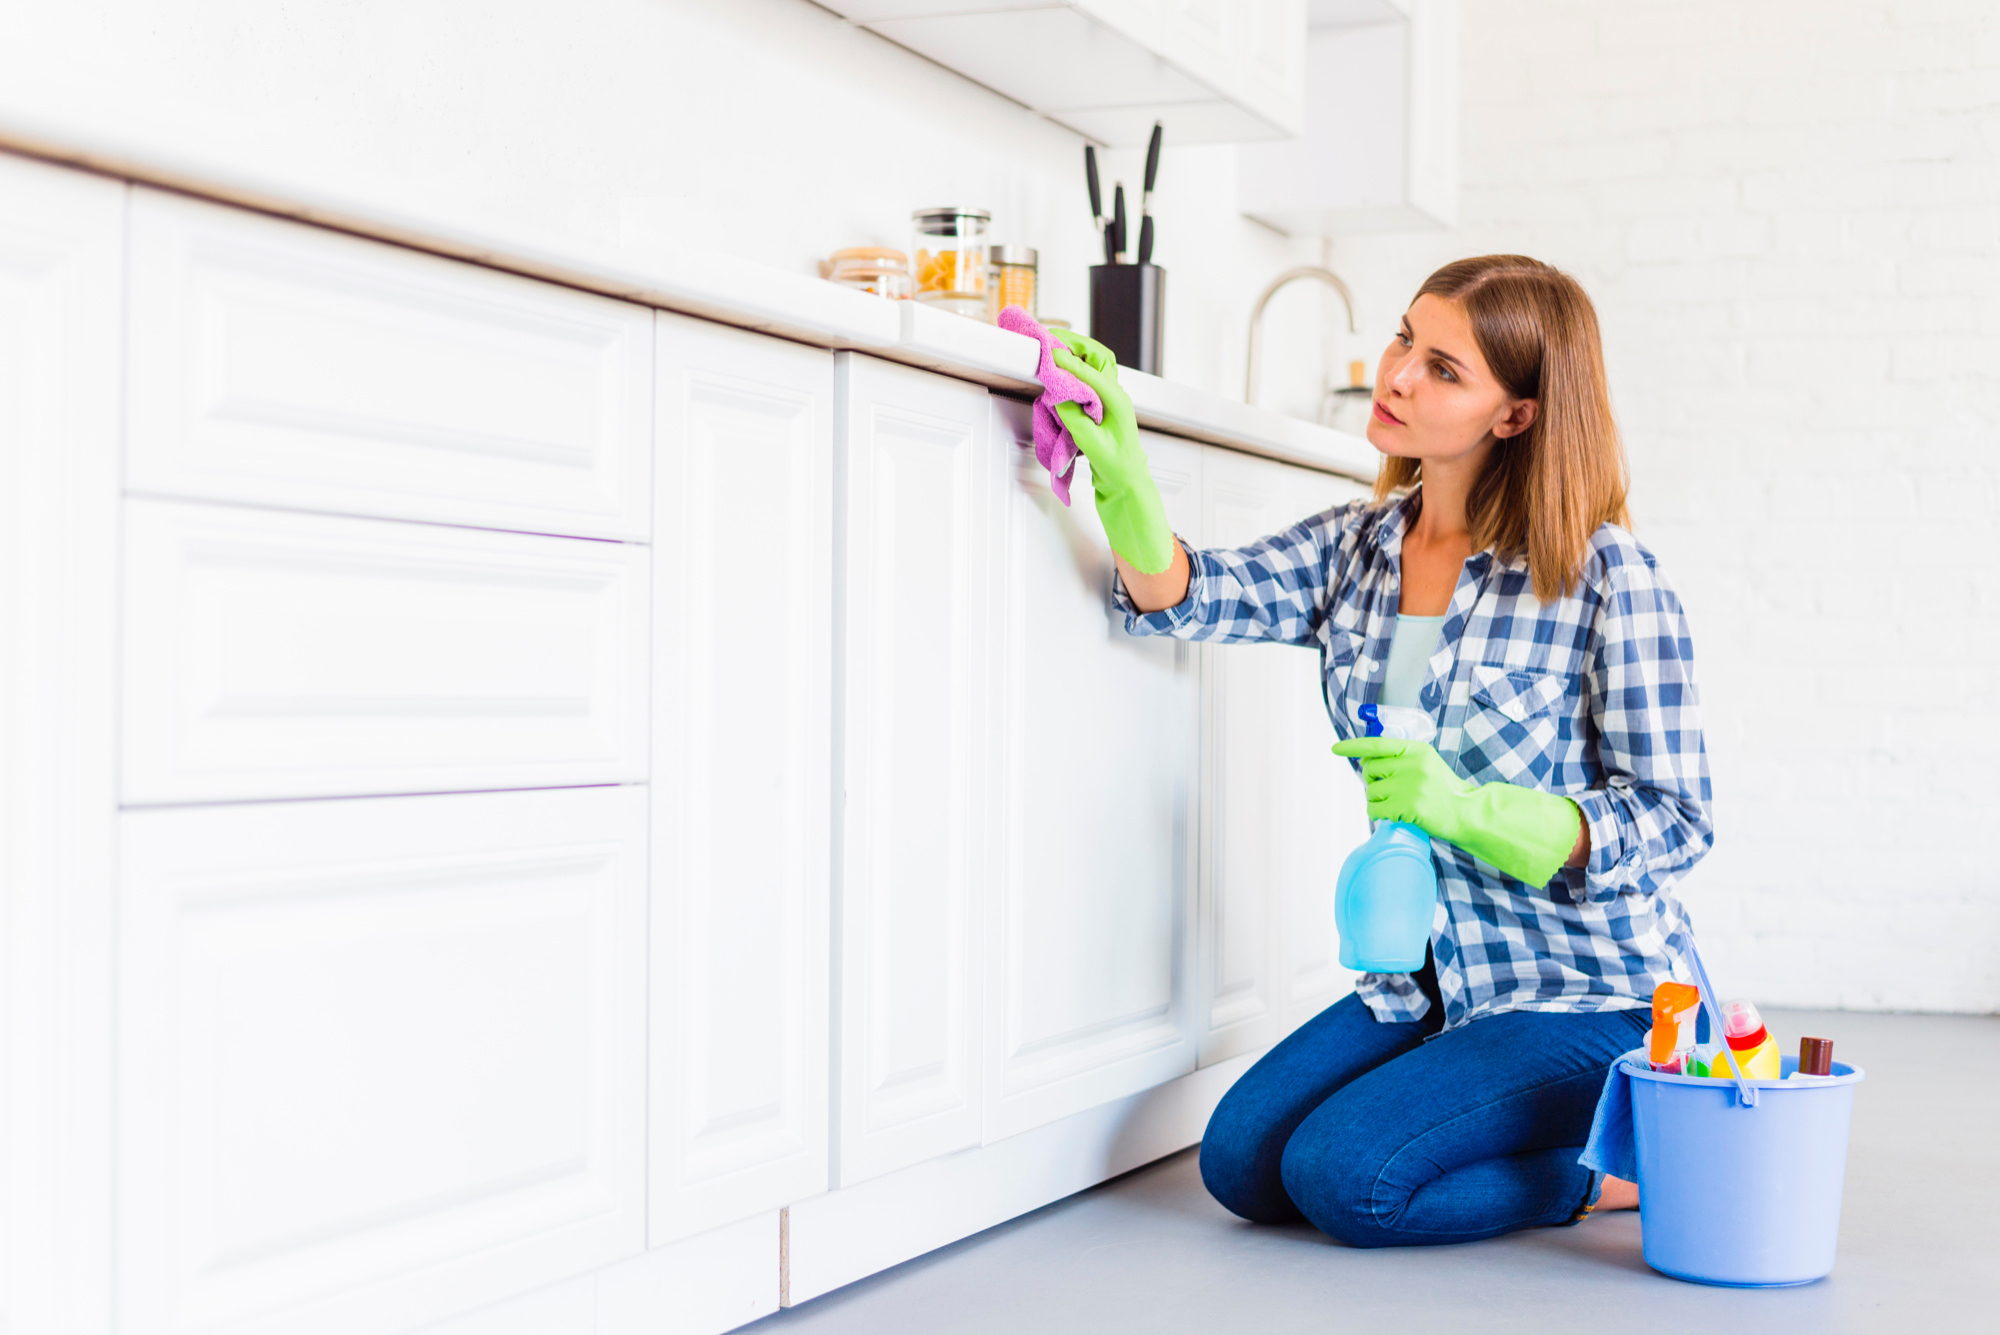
(809, 310)
(957, 346)
(715, 287)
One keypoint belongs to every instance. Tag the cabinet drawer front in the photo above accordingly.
(286, 365)
(283, 655)
(379, 1061)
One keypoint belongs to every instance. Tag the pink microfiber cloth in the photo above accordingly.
(1055, 449)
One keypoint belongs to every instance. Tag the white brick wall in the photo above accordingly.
(1789, 216)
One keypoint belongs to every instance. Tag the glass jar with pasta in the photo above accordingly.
(1011, 273)
(950, 258)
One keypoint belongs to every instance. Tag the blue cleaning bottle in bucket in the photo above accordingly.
(1386, 896)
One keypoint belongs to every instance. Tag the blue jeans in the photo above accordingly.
(1381, 1139)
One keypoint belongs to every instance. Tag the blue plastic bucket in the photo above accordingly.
(1736, 1195)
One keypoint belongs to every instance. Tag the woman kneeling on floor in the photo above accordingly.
(1492, 585)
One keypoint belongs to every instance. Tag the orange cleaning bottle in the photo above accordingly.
(1671, 1042)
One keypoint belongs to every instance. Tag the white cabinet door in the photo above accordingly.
(380, 1061)
(1088, 995)
(743, 636)
(281, 364)
(285, 655)
(61, 235)
(1216, 69)
(1274, 822)
(919, 613)
(1246, 805)
(1325, 812)
(1279, 811)
(1400, 78)
(1269, 53)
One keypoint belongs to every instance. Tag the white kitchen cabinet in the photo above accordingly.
(920, 484)
(1327, 811)
(381, 1060)
(272, 654)
(1214, 70)
(1378, 149)
(1088, 994)
(743, 652)
(61, 234)
(1276, 817)
(279, 364)
(836, 858)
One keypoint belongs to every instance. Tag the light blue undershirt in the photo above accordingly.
(1410, 649)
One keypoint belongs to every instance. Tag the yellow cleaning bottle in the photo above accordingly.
(1749, 1045)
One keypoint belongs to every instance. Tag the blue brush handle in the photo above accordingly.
(1746, 1093)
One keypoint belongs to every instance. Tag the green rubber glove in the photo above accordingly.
(1128, 503)
(1525, 833)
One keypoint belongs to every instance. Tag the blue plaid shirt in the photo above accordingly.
(1591, 696)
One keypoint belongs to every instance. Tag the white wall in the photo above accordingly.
(764, 128)
(1789, 215)
(1788, 212)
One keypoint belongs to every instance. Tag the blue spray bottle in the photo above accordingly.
(1387, 893)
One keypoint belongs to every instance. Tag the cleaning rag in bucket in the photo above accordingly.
(1055, 448)
(1610, 1148)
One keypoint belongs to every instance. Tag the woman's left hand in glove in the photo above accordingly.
(1525, 833)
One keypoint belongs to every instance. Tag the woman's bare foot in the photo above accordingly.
(1617, 1194)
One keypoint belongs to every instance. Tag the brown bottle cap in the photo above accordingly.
(1815, 1056)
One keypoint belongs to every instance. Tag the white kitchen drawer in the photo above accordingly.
(379, 1061)
(287, 655)
(287, 365)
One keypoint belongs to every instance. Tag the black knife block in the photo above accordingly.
(1127, 302)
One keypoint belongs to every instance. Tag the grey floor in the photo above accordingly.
(1919, 1247)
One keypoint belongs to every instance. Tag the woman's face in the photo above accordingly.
(1435, 398)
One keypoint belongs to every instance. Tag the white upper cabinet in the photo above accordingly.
(61, 237)
(1213, 70)
(1279, 811)
(379, 1061)
(272, 654)
(281, 364)
(1379, 146)
(1088, 995)
(743, 636)
(920, 610)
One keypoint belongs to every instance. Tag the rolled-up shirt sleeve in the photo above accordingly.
(1272, 590)
(1649, 821)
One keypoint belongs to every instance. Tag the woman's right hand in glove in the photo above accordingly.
(1128, 502)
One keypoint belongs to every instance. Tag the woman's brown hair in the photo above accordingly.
(1545, 491)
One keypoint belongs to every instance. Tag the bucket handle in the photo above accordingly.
(1746, 1093)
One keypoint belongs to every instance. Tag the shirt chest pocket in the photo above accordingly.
(1512, 723)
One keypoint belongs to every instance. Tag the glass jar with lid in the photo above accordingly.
(874, 269)
(950, 259)
(1011, 275)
